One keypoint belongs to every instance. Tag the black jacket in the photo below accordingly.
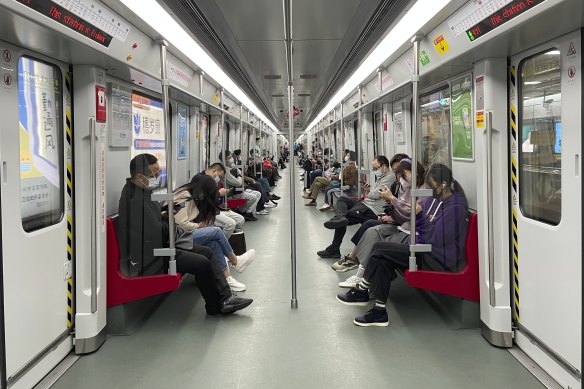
(141, 229)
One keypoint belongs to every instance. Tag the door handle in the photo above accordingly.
(490, 237)
(93, 218)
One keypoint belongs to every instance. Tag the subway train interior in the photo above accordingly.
(219, 193)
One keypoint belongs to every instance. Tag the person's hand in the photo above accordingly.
(202, 224)
(418, 208)
(386, 219)
(253, 182)
(223, 192)
(386, 194)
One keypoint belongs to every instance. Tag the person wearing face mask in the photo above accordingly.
(347, 155)
(350, 211)
(440, 221)
(141, 229)
(392, 227)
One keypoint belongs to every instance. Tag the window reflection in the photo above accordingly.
(434, 145)
(540, 181)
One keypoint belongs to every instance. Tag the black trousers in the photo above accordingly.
(386, 259)
(200, 262)
(355, 211)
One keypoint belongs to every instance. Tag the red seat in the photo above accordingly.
(465, 283)
(236, 203)
(122, 289)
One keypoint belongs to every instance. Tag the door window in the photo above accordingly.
(434, 145)
(540, 153)
(40, 117)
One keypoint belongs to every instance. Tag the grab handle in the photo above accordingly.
(93, 218)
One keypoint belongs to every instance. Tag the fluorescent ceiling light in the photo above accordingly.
(156, 17)
(554, 52)
(532, 82)
(420, 14)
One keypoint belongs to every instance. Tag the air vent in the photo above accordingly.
(272, 76)
(308, 76)
(279, 95)
(303, 94)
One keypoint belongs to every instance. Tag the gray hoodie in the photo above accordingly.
(373, 201)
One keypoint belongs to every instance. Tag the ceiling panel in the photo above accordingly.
(322, 19)
(313, 57)
(254, 19)
(265, 57)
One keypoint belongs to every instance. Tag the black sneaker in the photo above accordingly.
(329, 253)
(375, 317)
(274, 197)
(336, 222)
(234, 303)
(354, 296)
(248, 216)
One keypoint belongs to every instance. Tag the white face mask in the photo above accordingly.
(153, 182)
(231, 161)
(377, 173)
(217, 179)
(405, 183)
(347, 158)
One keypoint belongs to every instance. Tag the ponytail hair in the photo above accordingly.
(442, 173)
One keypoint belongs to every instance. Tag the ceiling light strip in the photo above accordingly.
(156, 17)
(420, 14)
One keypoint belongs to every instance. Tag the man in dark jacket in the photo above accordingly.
(142, 229)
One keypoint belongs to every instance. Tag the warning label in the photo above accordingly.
(441, 44)
(480, 119)
(571, 50)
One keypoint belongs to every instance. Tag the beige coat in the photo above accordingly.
(187, 213)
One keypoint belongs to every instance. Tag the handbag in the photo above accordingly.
(237, 242)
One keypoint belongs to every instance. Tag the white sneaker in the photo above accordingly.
(350, 282)
(244, 260)
(325, 207)
(235, 285)
(263, 212)
(269, 204)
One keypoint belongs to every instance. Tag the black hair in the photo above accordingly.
(442, 173)
(397, 158)
(204, 193)
(226, 153)
(382, 159)
(237, 152)
(346, 151)
(217, 166)
(336, 165)
(406, 164)
(141, 163)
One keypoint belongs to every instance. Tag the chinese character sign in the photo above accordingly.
(148, 134)
(182, 132)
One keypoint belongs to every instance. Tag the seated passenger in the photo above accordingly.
(349, 180)
(441, 222)
(322, 182)
(196, 205)
(350, 211)
(392, 227)
(236, 179)
(142, 229)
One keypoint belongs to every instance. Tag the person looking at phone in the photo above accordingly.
(350, 211)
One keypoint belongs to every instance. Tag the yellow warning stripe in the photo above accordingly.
(69, 202)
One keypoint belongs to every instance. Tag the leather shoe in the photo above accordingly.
(234, 303)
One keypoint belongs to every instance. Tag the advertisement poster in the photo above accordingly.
(148, 134)
(40, 99)
(182, 132)
(461, 111)
(204, 131)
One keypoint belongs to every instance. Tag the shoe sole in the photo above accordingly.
(386, 324)
(242, 268)
(355, 304)
(334, 226)
(345, 269)
(348, 286)
(237, 289)
(325, 209)
(237, 308)
(329, 256)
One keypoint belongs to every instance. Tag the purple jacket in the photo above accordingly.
(444, 225)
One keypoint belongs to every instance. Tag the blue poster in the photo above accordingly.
(182, 132)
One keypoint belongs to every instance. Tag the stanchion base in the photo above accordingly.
(294, 304)
(172, 267)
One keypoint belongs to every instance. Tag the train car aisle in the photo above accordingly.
(269, 345)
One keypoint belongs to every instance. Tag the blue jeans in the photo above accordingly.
(265, 184)
(214, 238)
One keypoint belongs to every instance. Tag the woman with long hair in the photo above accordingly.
(196, 205)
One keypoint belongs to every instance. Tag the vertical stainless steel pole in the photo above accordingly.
(343, 163)
(222, 126)
(169, 159)
(415, 103)
(358, 141)
(294, 301)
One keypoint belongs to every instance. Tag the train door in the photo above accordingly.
(36, 212)
(546, 200)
